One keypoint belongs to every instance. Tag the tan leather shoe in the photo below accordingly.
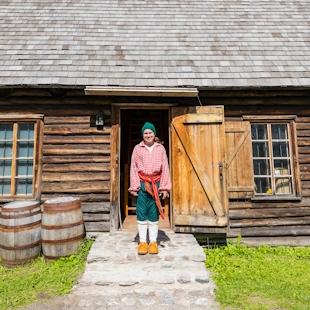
(153, 248)
(142, 248)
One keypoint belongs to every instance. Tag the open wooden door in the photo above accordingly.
(199, 191)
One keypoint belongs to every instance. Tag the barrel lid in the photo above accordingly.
(61, 200)
(20, 204)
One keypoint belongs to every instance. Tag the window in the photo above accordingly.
(17, 159)
(272, 159)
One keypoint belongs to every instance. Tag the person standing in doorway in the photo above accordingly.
(149, 182)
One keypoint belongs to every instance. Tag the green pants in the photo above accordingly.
(146, 208)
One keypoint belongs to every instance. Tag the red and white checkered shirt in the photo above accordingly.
(155, 162)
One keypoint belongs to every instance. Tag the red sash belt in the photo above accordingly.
(152, 179)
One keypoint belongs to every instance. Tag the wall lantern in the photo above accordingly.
(99, 119)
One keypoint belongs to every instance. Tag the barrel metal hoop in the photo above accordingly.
(19, 216)
(22, 247)
(14, 263)
(61, 207)
(64, 241)
(4, 209)
(55, 257)
(51, 227)
(19, 228)
(53, 210)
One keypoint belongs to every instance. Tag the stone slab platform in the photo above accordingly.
(116, 277)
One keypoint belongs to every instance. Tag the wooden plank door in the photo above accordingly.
(199, 193)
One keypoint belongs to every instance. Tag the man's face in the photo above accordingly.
(148, 136)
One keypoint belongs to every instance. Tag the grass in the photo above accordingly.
(262, 278)
(39, 279)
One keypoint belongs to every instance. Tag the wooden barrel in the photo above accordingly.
(20, 232)
(62, 227)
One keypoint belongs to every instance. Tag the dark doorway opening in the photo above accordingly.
(132, 121)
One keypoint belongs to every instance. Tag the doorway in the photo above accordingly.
(131, 122)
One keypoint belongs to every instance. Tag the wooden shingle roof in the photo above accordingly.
(162, 43)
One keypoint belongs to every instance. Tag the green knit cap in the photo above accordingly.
(148, 125)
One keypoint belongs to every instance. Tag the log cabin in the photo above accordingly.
(227, 85)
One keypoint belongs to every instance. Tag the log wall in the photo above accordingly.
(76, 155)
(76, 162)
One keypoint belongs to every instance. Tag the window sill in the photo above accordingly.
(275, 198)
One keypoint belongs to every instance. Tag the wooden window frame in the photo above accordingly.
(37, 120)
(296, 183)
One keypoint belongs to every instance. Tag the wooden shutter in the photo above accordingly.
(199, 187)
(239, 163)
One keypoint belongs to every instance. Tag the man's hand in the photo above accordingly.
(133, 193)
(164, 195)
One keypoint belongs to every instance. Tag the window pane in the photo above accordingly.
(5, 187)
(259, 131)
(283, 185)
(25, 132)
(23, 187)
(5, 168)
(6, 149)
(279, 131)
(280, 149)
(260, 149)
(261, 166)
(24, 167)
(282, 167)
(25, 149)
(263, 185)
(6, 131)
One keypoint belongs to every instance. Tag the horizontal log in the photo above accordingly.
(265, 106)
(305, 193)
(75, 159)
(102, 139)
(96, 207)
(304, 159)
(304, 168)
(50, 110)
(305, 185)
(76, 176)
(76, 149)
(97, 226)
(75, 130)
(303, 133)
(301, 241)
(302, 120)
(200, 230)
(82, 197)
(302, 126)
(67, 120)
(70, 101)
(200, 220)
(22, 92)
(267, 213)
(233, 205)
(270, 222)
(304, 150)
(274, 231)
(303, 141)
(305, 176)
(96, 217)
(76, 187)
(76, 167)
